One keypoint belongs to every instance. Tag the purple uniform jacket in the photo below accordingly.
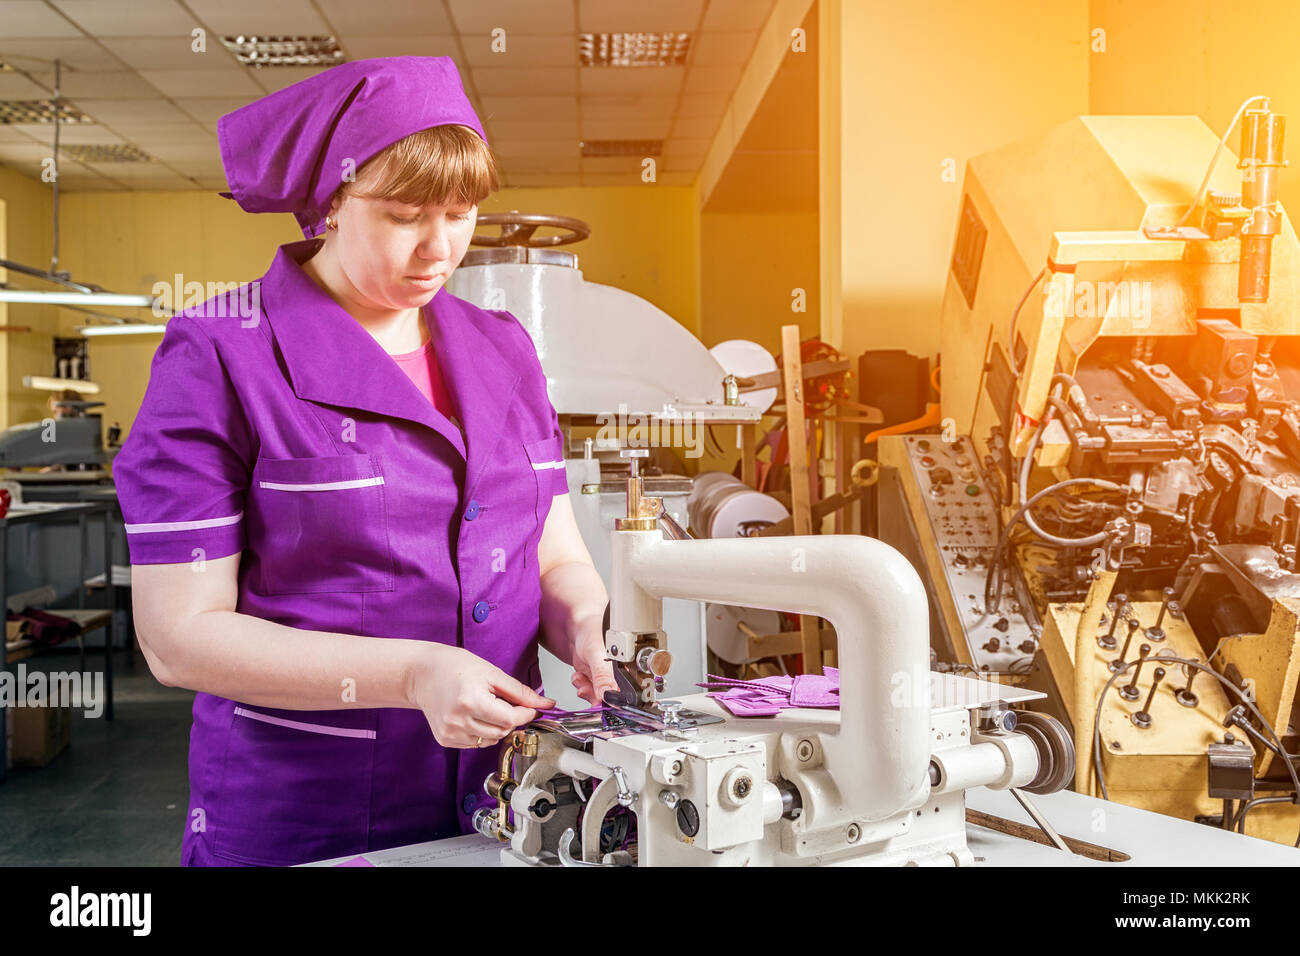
(288, 434)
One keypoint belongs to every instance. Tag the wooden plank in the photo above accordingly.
(748, 461)
(800, 510)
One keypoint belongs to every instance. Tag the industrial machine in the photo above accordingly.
(652, 393)
(881, 779)
(1111, 512)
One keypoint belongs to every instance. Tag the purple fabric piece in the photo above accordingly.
(290, 151)
(742, 707)
(813, 690)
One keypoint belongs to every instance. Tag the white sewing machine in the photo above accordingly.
(881, 781)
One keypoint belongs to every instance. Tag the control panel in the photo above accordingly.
(962, 519)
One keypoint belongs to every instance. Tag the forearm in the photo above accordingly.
(573, 597)
(259, 662)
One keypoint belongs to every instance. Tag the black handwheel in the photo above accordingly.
(517, 229)
(1055, 748)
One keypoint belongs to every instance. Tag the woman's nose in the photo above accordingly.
(435, 245)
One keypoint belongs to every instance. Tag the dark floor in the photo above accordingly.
(117, 796)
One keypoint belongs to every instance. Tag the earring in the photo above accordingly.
(330, 223)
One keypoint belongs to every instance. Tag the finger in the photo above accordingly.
(503, 714)
(505, 686)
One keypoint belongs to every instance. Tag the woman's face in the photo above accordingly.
(398, 256)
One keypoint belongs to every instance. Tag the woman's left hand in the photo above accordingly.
(592, 673)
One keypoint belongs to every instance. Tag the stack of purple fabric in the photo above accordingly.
(768, 696)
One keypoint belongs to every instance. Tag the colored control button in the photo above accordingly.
(481, 611)
(972, 490)
(923, 445)
(471, 510)
(927, 461)
(468, 803)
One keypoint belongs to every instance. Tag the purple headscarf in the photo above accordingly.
(290, 151)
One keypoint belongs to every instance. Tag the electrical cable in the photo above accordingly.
(1011, 332)
(1214, 160)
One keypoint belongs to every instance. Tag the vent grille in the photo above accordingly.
(106, 153)
(260, 51)
(39, 111)
(622, 147)
(633, 49)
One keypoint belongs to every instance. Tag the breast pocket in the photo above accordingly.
(321, 524)
(548, 468)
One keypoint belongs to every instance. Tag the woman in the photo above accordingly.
(346, 508)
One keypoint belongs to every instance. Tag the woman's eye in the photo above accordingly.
(404, 222)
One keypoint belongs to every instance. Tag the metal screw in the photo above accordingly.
(1130, 690)
(669, 798)
(1118, 662)
(804, 750)
(1143, 717)
(855, 833)
(740, 789)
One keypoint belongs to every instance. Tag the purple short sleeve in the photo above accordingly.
(184, 470)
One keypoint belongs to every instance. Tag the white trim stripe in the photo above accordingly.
(542, 465)
(321, 485)
(299, 725)
(157, 526)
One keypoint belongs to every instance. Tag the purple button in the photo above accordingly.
(471, 510)
(481, 611)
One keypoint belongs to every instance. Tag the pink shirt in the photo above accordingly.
(421, 367)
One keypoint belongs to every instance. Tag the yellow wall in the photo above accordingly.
(918, 84)
(1202, 58)
(27, 239)
(644, 239)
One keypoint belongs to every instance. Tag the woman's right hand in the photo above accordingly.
(468, 701)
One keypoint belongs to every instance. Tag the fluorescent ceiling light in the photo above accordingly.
(39, 111)
(633, 49)
(77, 298)
(260, 51)
(126, 328)
(48, 384)
(106, 153)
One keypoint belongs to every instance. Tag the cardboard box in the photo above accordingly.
(40, 734)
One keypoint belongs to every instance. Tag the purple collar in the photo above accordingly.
(333, 360)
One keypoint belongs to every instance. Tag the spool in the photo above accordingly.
(722, 506)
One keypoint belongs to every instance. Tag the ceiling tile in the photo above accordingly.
(275, 78)
(160, 183)
(184, 152)
(24, 152)
(111, 85)
(217, 183)
(695, 105)
(540, 81)
(628, 107)
(629, 179)
(650, 80)
(154, 110)
(128, 172)
(527, 180)
(377, 17)
(679, 149)
(732, 48)
(370, 47)
(129, 18)
(36, 56)
(668, 178)
(203, 82)
(699, 128)
(712, 79)
(636, 16)
(14, 86)
(540, 165)
(514, 16)
(199, 169)
(31, 18)
(143, 134)
(737, 14)
(516, 129)
(631, 128)
(530, 107)
(71, 135)
(209, 110)
(16, 134)
(171, 53)
(513, 149)
(281, 18)
(522, 50)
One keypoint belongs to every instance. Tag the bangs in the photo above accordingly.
(439, 166)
